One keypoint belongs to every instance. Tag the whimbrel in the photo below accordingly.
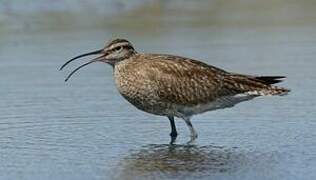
(175, 86)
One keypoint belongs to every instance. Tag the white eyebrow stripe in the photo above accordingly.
(119, 44)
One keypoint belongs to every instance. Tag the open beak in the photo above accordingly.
(80, 56)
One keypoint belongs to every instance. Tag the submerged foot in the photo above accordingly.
(194, 136)
(173, 136)
(172, 140)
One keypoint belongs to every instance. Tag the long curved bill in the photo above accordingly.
(83, 65)
(80, 56)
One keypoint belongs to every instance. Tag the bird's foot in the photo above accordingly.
(194, 136)
(173, 140)
(173, 136)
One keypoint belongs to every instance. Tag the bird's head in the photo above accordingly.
(118, 50)
(114, 51)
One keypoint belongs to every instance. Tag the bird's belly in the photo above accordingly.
(150, 105)
(169, 109)
(219, 103)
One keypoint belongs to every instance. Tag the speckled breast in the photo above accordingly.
(137, 89)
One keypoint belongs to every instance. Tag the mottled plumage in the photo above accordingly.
(175, 86)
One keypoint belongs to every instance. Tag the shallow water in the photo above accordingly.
(84, 129)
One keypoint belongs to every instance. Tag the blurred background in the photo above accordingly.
(84, 129)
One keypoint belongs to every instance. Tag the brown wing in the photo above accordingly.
(185, 81)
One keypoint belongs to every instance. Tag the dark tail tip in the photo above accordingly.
(270, 79)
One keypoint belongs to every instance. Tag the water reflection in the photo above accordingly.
(176, 160)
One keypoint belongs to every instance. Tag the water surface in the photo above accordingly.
(84, 129)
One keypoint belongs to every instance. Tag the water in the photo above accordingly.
(84, 129)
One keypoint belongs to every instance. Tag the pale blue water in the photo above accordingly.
(84, 129)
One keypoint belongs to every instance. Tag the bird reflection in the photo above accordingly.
(173, 159)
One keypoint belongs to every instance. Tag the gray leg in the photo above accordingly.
(194, 134)
(173, 133)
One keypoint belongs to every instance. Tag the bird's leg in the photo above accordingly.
(194, 134)
(173, 133)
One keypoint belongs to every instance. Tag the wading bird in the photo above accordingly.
(175, 86)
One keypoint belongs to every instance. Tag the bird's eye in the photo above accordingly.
(118, 48)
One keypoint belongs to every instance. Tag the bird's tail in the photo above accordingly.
(258, 85)
(270, 79)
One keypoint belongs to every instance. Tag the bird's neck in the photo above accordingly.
(124, 60)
